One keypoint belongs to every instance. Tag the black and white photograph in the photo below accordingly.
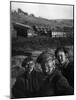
(42, 49)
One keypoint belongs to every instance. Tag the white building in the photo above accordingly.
(58, 34)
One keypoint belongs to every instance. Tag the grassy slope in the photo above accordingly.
(38, 20)
(39, 43)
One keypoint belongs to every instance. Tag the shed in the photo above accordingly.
(22, 29)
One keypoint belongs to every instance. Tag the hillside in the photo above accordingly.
(40, 42)
(53, 24)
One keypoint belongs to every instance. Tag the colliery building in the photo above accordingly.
(23, 30)
(29, 31)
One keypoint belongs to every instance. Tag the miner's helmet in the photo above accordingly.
(45, 56)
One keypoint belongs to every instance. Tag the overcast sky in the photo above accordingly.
(45, 10)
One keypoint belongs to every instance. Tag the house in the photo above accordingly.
(58, 34)
(23, 30)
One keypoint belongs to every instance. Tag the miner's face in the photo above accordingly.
(61, 56)
(30, 65)
(48, 66)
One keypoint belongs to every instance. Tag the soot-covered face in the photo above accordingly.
(61, 56)
(30, 65)
(48, 66)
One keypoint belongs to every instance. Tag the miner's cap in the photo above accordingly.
(45, 56)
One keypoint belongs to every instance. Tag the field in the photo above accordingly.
(39, 43)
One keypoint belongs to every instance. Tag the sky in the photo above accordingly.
(48, 11)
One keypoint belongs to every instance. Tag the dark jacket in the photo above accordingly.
(27, 85)
(68, 71)
(55, 84)
(35, 85)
